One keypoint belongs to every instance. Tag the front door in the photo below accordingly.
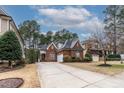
(43, 57)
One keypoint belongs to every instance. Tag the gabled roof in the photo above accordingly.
(52, 44)
(68, 44)
(60, 44)
(46, 46)
(43, 47)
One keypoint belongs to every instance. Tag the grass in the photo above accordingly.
(115, 68)
(28, 73)
(118, 66)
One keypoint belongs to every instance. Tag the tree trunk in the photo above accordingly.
(104, 57)
(115, 38)
(10, 63)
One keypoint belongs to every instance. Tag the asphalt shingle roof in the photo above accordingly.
(68, 44)
(43, 47)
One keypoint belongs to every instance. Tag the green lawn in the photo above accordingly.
(112, 70)
(118, 66)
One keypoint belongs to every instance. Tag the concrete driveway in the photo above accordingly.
(56, 75)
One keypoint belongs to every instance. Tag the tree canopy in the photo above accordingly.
(30, 31)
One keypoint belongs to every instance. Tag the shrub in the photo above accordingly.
(87, 58)
(113, 57)
(67, 59)
(71, 59)
(32, 55)
(75, 59)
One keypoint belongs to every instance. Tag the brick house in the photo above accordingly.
(56, 51)
(48, 52)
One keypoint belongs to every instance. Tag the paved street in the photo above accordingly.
(56, 75)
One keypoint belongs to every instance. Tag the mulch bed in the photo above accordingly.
(105, 65)
(11, 82)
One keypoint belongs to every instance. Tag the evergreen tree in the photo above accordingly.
(10, 48)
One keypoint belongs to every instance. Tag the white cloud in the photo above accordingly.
(94, 24)
(70, 17)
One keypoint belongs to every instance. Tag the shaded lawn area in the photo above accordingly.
(116, 68)
(28, 73)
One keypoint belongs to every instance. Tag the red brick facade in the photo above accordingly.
(77, 49)
(52, 52)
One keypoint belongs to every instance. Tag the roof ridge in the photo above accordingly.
(5, 13)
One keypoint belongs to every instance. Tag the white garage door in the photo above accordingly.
(60, 58)
(95, 58)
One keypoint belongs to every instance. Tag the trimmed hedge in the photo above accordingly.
(113, 57)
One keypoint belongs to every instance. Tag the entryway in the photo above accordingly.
(43, 57)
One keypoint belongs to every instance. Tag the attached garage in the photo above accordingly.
(60, 58)
(95, 57)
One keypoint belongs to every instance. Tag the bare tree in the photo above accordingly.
(112, 23)
(102, 39)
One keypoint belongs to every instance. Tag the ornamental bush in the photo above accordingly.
(87, 58)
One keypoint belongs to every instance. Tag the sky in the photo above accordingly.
(83, 20)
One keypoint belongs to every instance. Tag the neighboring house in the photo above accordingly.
(92, 46)
(56, 51)
(7, 24)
